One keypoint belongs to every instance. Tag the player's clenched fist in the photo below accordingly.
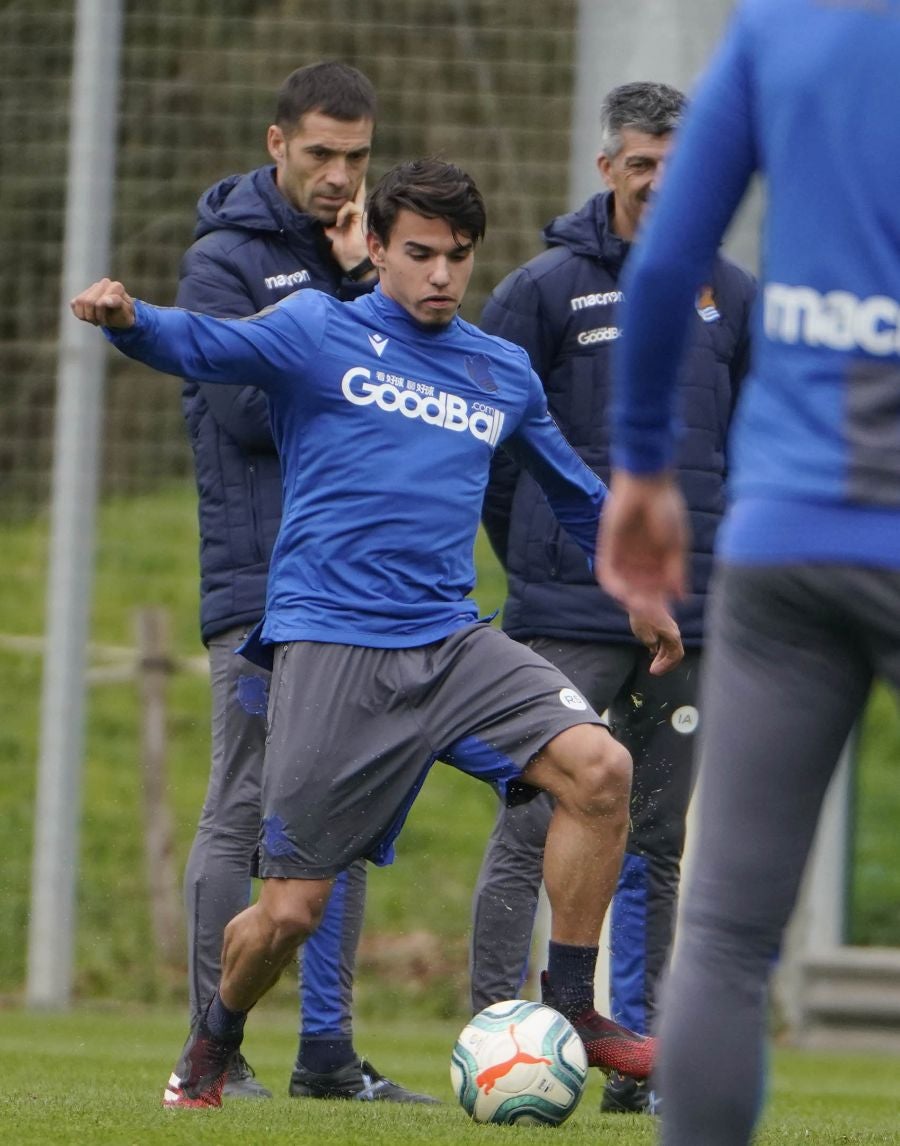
(105, 303)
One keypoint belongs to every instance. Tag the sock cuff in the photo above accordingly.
(323, 1054)
(570, 970)
(222, 1023)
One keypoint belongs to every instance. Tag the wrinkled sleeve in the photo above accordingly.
(266, 351)
(574, 491)
(713, 159)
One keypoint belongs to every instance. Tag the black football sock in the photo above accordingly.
(571, 974)
(222, 1024)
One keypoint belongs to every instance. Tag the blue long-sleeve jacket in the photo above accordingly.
(385, 431)
(806, 93)
(251, 249)
(563, 307)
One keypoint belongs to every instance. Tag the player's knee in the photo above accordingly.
(602, 781)
(292, 918)
(297, 922)
(587, 771)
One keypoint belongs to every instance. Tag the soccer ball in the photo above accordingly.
(519, 1062)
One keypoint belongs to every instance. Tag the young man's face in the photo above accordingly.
(322, 165)
(424, 267)
(632, 175)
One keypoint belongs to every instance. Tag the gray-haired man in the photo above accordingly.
(562, 306)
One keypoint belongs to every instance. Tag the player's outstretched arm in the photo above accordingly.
(574, 492)
(105, 303)
(265, 351)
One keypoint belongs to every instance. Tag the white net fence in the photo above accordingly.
(486, 84)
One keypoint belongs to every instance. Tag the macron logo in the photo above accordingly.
(838, 320)
(604, 298)
(378, 342)
(294, 279)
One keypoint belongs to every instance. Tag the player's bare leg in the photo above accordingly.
(589, 773)
(259, 944)
(263, 939)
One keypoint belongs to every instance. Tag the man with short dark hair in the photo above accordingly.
(291, 225)
(386, 412)
(563, 307)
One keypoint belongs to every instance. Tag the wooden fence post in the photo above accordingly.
(155, 664)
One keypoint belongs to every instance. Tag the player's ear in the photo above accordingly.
(276, 143)
(375, 248)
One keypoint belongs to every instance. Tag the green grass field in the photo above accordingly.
(96, 1076)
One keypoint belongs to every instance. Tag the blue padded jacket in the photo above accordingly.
(251, 249)
(562, 307)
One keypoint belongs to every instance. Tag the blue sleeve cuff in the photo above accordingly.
(127, 337)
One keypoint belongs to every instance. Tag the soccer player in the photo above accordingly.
(806, 606)
(294, 224)
(386, 412)
(563, 307)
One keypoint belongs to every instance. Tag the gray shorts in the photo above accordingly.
(353, 732)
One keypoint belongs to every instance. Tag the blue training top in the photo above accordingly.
(807, 92)
(385, 430)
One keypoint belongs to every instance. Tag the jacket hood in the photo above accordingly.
(587, 231)
(251, 202)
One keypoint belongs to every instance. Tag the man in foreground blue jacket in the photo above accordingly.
(563, 308)
(291, 225)
(386, 412)
(805, 608)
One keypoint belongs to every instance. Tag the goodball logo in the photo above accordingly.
(443, 409)
(571, 699)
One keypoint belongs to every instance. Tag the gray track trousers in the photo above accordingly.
(791, 652)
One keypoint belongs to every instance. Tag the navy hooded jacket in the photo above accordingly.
(562, 306)
(251, 249)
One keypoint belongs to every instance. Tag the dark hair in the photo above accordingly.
(431, 188)
(653, 109)
(331, 88)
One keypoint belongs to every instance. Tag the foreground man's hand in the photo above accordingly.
(642, 543)
(105, 303)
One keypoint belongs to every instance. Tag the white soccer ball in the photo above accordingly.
(519, 1062)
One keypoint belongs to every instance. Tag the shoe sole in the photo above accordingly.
(174, 1097)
